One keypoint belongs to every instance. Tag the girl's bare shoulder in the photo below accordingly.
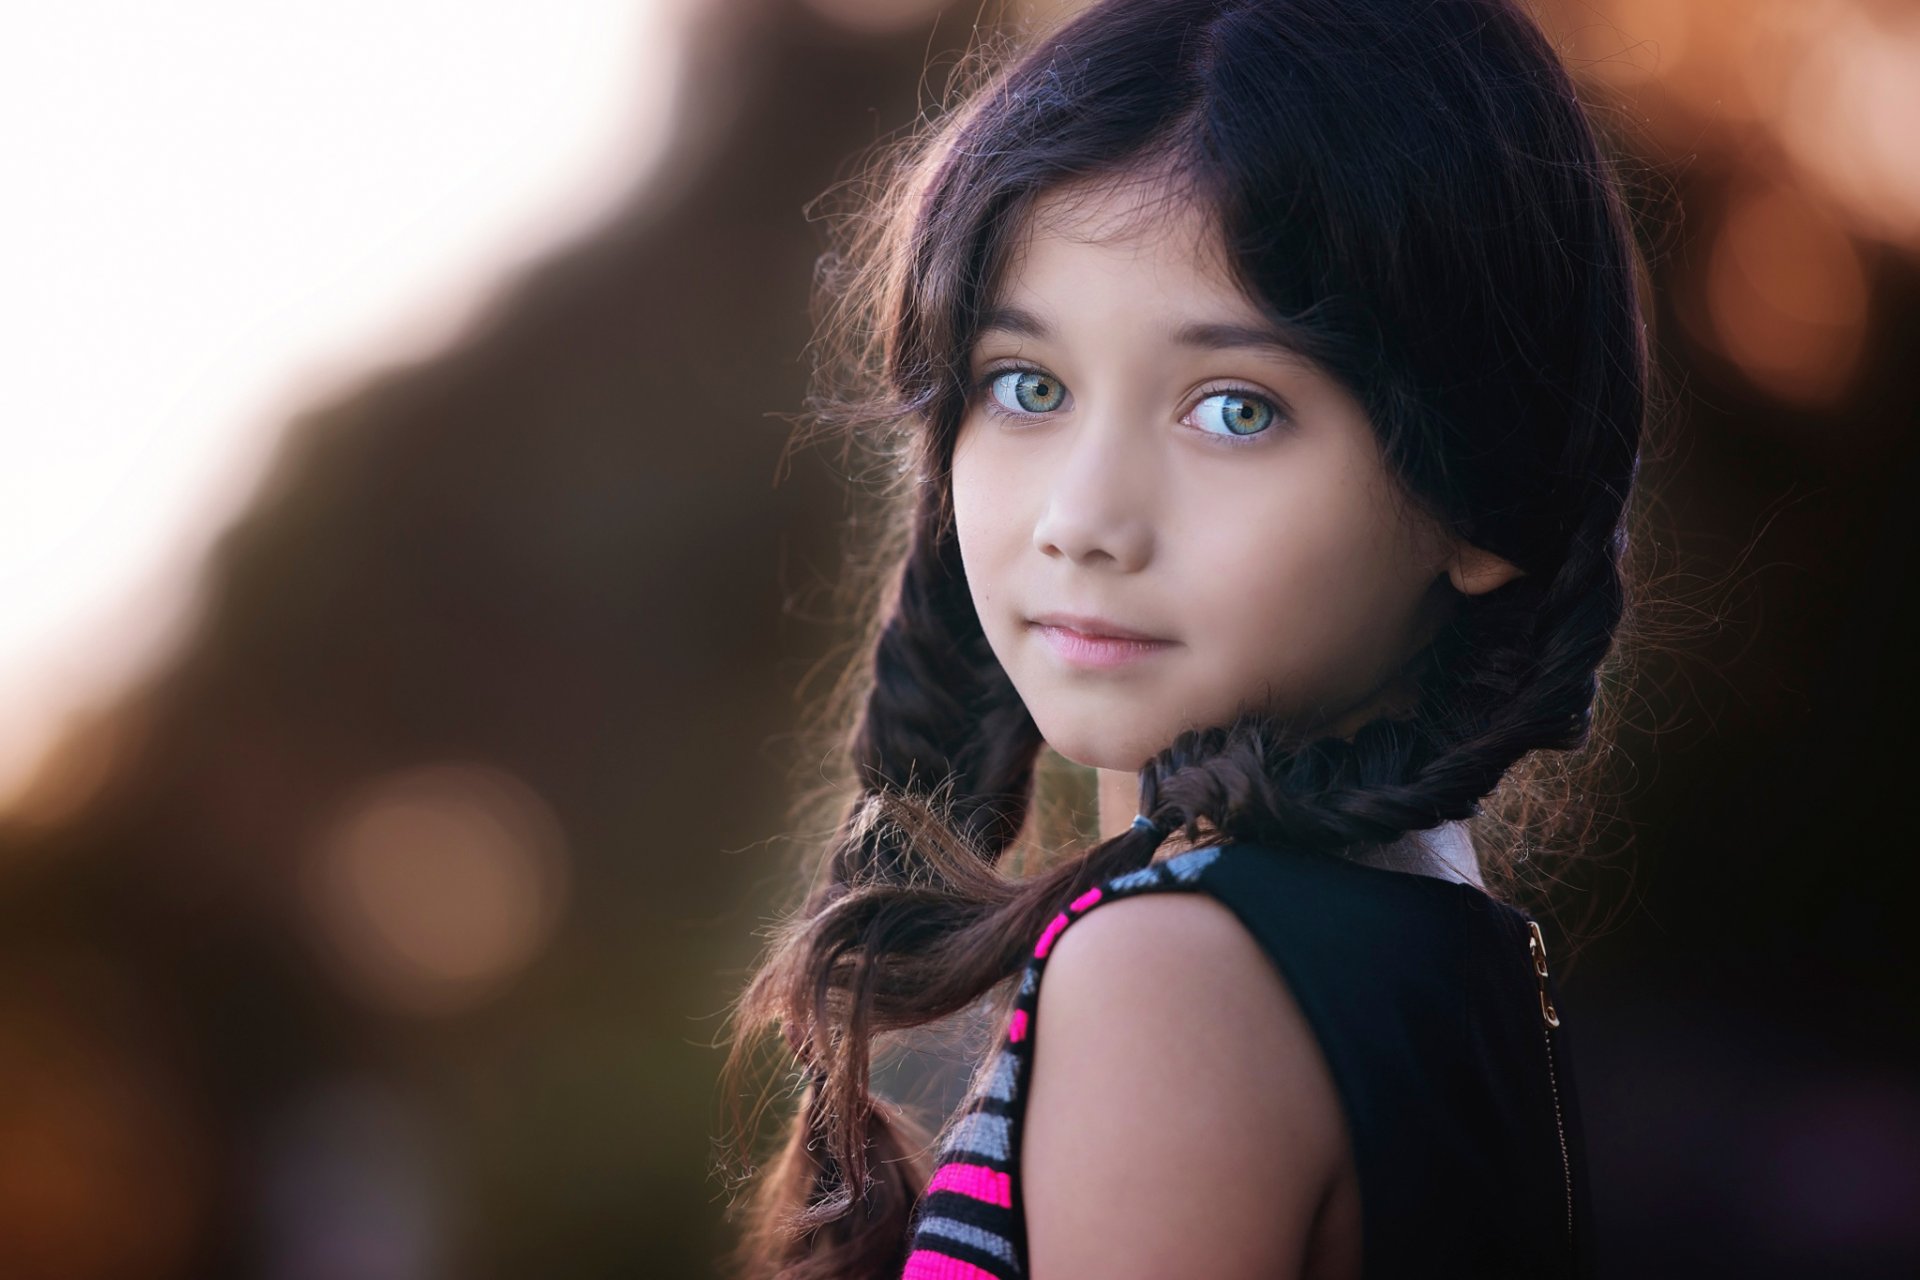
(1178, 1099)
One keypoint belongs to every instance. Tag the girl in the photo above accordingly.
(1265, 379)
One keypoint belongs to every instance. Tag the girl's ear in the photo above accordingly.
(1474, 571)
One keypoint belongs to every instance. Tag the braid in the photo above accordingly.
(941, 708)
(944, 753)
(911, 922)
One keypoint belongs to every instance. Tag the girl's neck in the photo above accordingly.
(1445, 851)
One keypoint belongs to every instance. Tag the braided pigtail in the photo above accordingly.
(941, 708)
(910, 921)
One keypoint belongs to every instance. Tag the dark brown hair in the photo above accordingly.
(1416, 195)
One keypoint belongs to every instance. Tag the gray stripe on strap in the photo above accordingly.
(1185, 866)
(1145, 878)
(979, 1134)
(1000, 1083)
(967, 1233)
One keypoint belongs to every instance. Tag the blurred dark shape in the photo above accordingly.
(557, 558)
(107, 1160)
(560, 555)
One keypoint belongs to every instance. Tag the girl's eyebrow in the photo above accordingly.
(1223, 336)
(1021, 324)
(1200, 335)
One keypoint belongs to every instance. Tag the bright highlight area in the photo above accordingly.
(214, 212)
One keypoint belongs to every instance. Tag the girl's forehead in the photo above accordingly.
(1088, 242)
(1128, 210)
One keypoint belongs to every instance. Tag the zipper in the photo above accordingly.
(1550, 1018)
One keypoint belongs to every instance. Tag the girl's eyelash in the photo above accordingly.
(983, 388)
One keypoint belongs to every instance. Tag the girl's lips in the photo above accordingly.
(1097, 652)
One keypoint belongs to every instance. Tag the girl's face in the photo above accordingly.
(1138, 455)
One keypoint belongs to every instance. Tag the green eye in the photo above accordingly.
(1240, 415)
(1033, 391)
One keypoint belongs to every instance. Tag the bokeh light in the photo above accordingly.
(432, 886)
(1787, 296)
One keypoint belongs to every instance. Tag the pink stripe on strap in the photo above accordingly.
(1047, 935)
(925, 1264)
(1086, 899)
(976, 1181)
(1017, 1026)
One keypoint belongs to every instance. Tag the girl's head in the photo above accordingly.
(1302, 334)
(1409, 200)
(1142, 445)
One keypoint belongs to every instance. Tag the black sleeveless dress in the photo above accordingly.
(1439, 1019)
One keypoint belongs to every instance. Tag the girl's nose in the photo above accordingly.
(1098, 498)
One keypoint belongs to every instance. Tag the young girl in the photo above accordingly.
(1265, 381)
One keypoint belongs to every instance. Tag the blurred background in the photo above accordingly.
(406, 613)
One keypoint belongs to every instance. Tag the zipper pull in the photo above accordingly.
(1537, 948)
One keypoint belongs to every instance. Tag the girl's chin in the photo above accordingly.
(1101, 745)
